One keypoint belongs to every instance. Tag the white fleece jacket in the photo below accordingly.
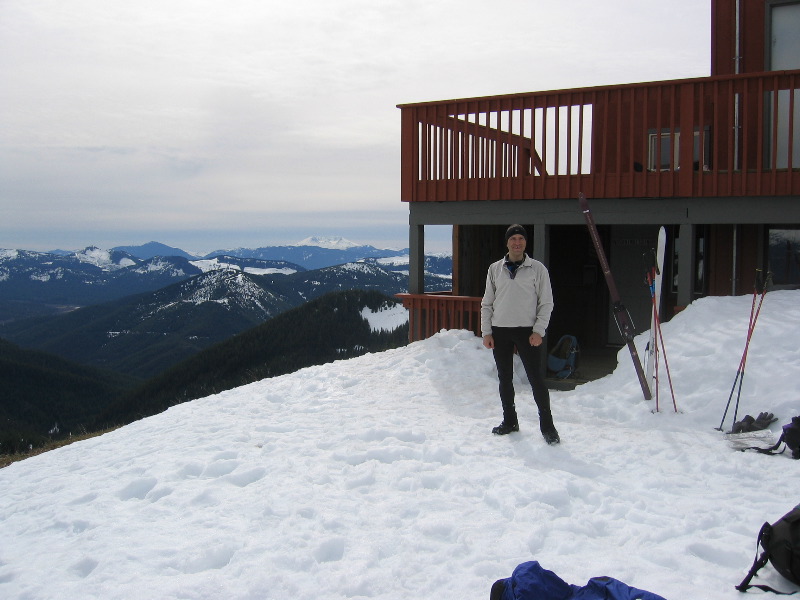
(524, 300)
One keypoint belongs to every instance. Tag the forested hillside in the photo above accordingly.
(321, 331)
(45, 397)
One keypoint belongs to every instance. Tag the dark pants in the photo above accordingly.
(505, 340)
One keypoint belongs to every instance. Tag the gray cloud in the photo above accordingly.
(194, 115)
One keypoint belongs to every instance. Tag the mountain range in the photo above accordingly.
(139, 316)
(37, 283)
(311, 253)
(312, 257)
(47, 283)
(144, 334)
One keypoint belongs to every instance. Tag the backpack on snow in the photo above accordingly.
(781, 544)
(790, 436)
(563, 359)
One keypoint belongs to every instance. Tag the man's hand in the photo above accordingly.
(488, 342)
(535, 340)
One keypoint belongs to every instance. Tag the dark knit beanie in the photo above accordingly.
(516, 230)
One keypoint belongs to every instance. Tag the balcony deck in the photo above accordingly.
(609, 142)
(692, 140)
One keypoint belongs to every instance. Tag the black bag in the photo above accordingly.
(790, 436)
(781, 544)
(563, 359)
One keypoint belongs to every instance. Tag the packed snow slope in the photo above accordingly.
(378, 477)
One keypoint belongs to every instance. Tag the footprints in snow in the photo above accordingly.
(139, 489)
(223, 467)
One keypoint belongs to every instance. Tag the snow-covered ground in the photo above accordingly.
(378, 477)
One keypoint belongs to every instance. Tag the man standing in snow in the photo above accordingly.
(515, 312)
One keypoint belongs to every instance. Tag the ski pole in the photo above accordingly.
(739, 368)
(759, 282)
(658, 348)
(759, 286)
(666, 362)
(651, 356)
(655, 375)
(650, 280)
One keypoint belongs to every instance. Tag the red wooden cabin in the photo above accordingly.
(715, 159)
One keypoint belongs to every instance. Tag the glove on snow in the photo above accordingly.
(744, 425)
(764, 420)
(747, 424)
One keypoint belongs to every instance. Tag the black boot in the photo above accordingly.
(505, 428)
(546, 426)
(551, 436)
(510, 422)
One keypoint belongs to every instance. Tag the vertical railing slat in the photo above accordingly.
(790, 137)
(773, 157)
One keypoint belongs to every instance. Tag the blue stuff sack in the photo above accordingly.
(530, 581)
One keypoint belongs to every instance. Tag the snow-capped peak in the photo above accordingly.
(94, 255)
(331, 243)
(102, 258)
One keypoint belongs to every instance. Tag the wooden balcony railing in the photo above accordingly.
(627, 141)
(430, 313)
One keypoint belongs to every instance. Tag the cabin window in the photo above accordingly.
(664, 150)
(699, 279)
(784, 256)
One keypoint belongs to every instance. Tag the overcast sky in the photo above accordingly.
(208, 124)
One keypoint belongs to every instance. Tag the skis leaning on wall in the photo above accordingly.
(656, 275)
(621, 315)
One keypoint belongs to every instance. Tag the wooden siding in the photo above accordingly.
(608, 142)
(752, 53)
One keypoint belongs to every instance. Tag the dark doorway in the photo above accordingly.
(579, 289)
